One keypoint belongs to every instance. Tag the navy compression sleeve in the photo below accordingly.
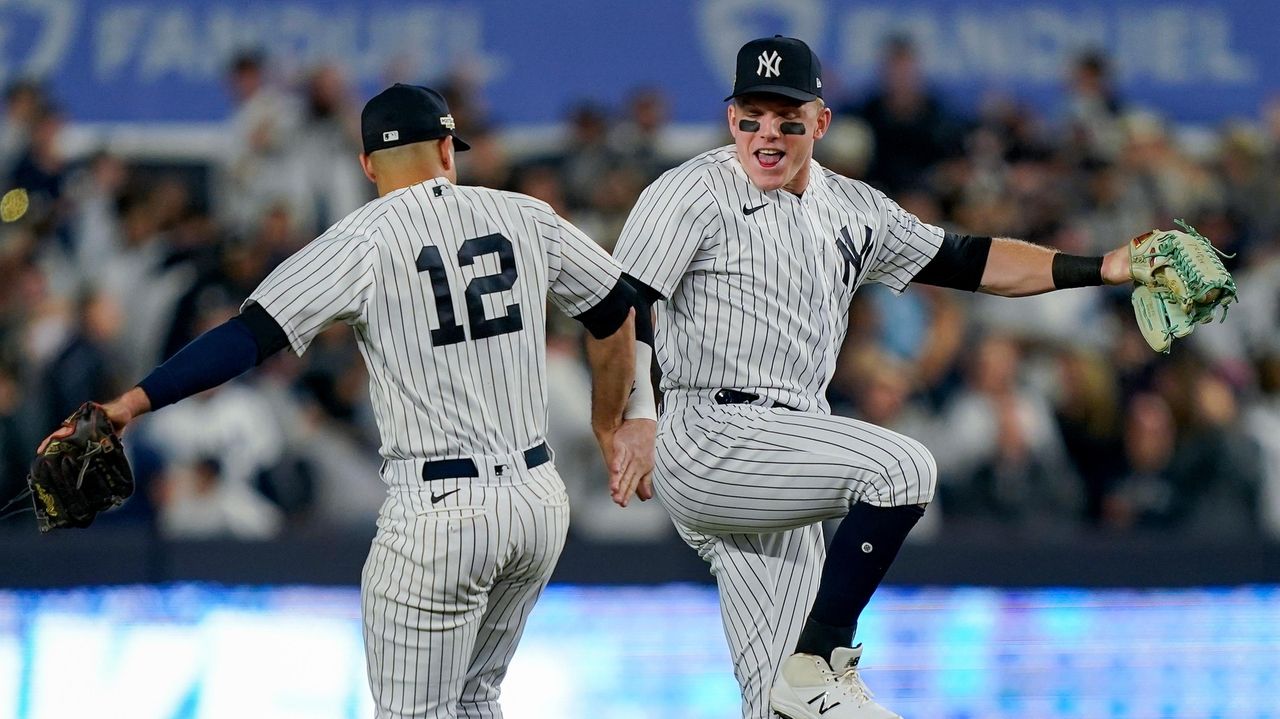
(221, 354)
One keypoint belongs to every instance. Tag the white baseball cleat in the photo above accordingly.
(808, 688)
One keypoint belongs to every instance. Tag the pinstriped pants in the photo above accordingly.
(748, 487)
(448, 585)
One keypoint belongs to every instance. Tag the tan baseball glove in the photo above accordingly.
(1179, 283)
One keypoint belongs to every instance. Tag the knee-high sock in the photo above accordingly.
(864, 545)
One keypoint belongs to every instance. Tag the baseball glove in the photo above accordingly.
(80, 471)
(1180, 283)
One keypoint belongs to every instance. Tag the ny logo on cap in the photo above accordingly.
(447, 121)
(770, 64)
(391, 136)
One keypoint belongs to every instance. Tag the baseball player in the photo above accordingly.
(752, 253)
(446, 289)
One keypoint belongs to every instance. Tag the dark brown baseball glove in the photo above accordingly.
(80, 471)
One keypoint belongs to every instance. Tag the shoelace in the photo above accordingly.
(850, 682)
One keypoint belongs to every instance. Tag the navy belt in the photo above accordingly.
(734, 396)
(450, 468)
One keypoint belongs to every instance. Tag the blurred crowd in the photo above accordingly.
(1047, 413)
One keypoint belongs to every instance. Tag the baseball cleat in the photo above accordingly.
(808, 688)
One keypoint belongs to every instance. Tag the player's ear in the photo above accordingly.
(445, 148)
(824, 122)
(733, 115)
(367, 165)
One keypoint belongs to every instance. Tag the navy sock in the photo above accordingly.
(864, 545)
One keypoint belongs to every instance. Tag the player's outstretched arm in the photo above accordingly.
(1017, 269)
(217, 356)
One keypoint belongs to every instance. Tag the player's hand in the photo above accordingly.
(629, 455)
(120, 412)
(1116, 268)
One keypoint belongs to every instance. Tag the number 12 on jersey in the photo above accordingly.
(450, 332)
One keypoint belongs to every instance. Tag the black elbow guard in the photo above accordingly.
(607, 315)
(959, 264)
(266, 332)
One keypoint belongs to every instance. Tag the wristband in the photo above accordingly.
(641, 404)
(1076, 271)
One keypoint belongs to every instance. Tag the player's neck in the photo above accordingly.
(800, 182)
(392, 181)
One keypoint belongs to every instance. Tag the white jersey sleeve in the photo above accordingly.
(329, 280)
(666, 227)
(581, 272)
(904, 245)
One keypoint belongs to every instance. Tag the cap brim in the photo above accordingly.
(783, 90)
(459, 144)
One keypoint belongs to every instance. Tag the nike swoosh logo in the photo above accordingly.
(435, 498)
(748, 211)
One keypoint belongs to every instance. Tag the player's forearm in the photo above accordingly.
(612, 360)
(127, 407)
(1017, 269)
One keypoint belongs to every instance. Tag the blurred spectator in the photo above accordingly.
(543, 182)
(17, 447)
(325, 148)
(214, 446)
(1202, 475)
(336, 378)
(87, 366)
(1088, 415)
(24, 101)
(487, 163)
(461, 90)
(911, 129)
(261, 170)
(1174, 185)
(1251, 185)
(1001, 456)
(1093, 109)
(1114, 204)
(140, 277)
(613, 197)
(586, 155)
(641, 139)
(42, 171)
(95, 222)
(1262, 422)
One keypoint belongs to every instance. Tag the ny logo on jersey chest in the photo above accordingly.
(852, 254)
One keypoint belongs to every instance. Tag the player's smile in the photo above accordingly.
(774, 136)
(769, 157)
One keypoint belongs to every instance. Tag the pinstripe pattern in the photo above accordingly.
(759, 302)
(766, 584)
(447, 589)
(741, 468)
(472, 397)
(758, 286)
(447, 586)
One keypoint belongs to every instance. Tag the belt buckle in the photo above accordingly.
(734, 396)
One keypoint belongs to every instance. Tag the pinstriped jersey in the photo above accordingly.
(758, 284)
(446, 289)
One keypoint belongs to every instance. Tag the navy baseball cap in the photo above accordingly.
(402, 114)
(779, 65)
